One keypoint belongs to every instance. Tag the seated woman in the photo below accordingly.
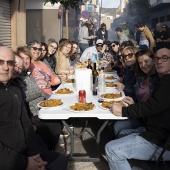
(146, 82)
(42, 74)
(47, 129)
(74, 57)
(63, 58)
(49, 58)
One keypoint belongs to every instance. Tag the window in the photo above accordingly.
(162, 19)
(168, 18)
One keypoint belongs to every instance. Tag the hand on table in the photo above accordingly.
(116, 109)
(128, 100)
(120, 86)
(36, 163)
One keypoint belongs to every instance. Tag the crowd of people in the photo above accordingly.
(30, 74)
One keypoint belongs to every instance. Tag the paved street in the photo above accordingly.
(87, 145)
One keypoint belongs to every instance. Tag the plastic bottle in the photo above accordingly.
(101, 83)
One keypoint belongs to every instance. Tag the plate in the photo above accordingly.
(79, 111)
(118, 98)
(38, 105)
(110, 72)
(54, 92)
(111, 80)
(100, 105)
(111, 87)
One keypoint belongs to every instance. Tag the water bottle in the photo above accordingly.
(101, 83)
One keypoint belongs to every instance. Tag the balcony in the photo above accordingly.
(159, 4)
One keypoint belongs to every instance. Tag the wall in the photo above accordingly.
(46, 23)
(18, 24)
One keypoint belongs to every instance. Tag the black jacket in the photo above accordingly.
(17, 138)
(156, 112)
(100, 35)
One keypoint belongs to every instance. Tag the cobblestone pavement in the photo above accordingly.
(87, 145)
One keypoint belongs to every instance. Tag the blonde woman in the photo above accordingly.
(63, 58)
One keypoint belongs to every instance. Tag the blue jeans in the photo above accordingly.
(126, 127)
(131, 146)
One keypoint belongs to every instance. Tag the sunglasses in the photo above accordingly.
(99, 45)
(113, 45)
(130, 55)
(35, 49)
(9, 62)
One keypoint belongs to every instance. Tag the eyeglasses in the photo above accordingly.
(18, 68)
(9, 62)
(67, 47)
(130, 55)
(99, 45)
(164, 58)
(35, 49)
(113, 45)
(55, 48)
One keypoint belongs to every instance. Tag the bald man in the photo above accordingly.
(19, 149)
(161, 37)
(148, 144)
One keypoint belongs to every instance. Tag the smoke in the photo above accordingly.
(136, 11)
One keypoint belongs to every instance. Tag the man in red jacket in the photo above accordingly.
(156, 111)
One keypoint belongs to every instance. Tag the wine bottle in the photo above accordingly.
(95, 73)
(89, 64)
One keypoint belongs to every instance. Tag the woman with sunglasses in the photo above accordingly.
(145, 84)
(129, 62)
(40, 71)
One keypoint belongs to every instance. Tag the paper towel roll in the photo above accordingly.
(83, 79)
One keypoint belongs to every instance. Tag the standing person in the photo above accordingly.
(148, 144)
(18, 141)
(121, 36)
(102, 32)
(125, 28)
(146, 37)
(49, 59)
(91, 32)
(161, 37)
(84, 36)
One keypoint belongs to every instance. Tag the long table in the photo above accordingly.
(63, 113)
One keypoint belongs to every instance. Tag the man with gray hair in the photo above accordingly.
(148, 144)
(19, 148)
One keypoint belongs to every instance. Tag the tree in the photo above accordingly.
(66, 3)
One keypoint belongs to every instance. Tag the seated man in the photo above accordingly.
(148, 144)
(93, 53)
(19, 149)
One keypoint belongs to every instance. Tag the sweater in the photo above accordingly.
(43, 76)
(156, 112)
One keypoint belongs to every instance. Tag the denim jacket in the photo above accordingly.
(153, 81)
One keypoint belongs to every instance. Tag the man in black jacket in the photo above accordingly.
(102, 33)
(19, 148)
(148, 144)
